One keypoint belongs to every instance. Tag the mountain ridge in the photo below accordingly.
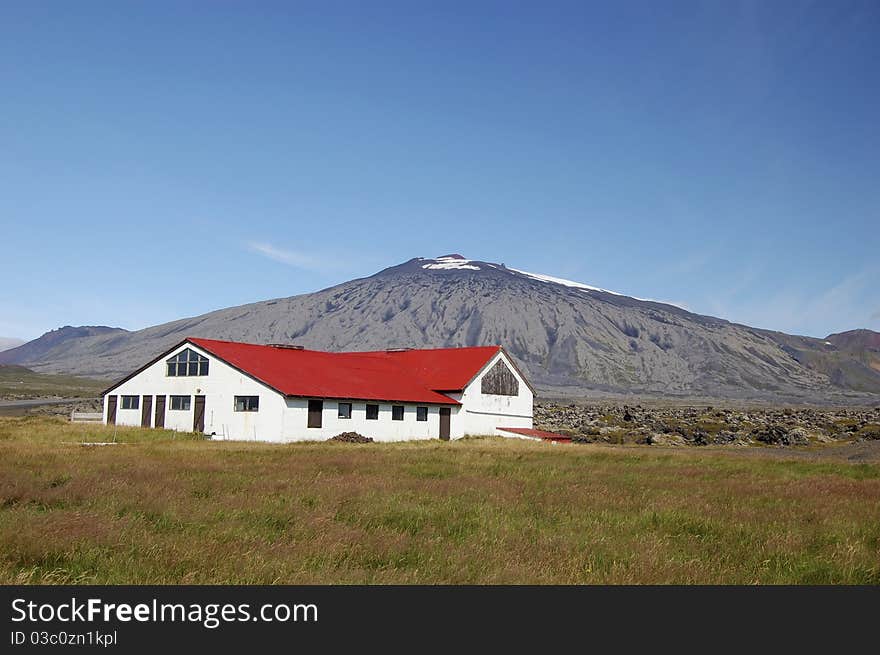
(569, 337)
(10, 342)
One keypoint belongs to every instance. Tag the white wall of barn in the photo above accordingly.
(383, 429)
(281, 419)
(485, 413)
(219, 387)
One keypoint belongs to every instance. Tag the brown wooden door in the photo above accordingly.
(199, 415)
(146, 411)
(316, 409)
(445, 414)
(160, 412)
(111, 410)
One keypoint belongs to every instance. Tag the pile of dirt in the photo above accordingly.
(351, 437)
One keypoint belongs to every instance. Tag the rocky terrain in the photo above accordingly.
(707, 425)
(570, 338)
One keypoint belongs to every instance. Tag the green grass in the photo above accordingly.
(168, 508)
(17, 382)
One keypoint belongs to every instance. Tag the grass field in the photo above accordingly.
(160, 508)
(17, 382)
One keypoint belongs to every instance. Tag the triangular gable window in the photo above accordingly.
(500, 381)
(187, 363)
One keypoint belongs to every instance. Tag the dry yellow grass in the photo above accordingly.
(163, 508)
(17, 382)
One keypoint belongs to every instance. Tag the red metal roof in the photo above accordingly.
(440, 369)
(407, 376)
(538, 434)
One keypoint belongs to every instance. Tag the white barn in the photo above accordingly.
(241, 391)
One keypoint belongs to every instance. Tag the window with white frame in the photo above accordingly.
(186, 363)
(247, 403)
(181, 403)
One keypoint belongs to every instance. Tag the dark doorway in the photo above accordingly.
(160, 412)
(111, 410)
(444, 423)
(316, 409)
(199, 415)
(146, 411)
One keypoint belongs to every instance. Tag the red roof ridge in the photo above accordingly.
(409, 350)
(248, 343)
(379, 351)
(412, 375)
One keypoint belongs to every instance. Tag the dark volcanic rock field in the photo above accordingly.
(707, 425)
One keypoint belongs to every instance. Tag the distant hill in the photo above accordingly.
(856, 340)
(849, 359)
(9, 342)
(57, 342)
(570, 338)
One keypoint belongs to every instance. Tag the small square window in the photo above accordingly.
(247, 403)
(372, 412)
(421, 413)
(131, 402)
(344, 410)
(180, 403)
(397, 412)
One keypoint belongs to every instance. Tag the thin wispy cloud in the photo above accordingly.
(332, 264)
(290, 257)
(691, 264)
(838, 307)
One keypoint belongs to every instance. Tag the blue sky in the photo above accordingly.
(163, 159)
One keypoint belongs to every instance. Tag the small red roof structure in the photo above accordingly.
(538, 434)
(418, 375)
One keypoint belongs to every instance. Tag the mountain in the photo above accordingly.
(9, 342)
(856, 340)
(849, 359)
(569, 337)
(55, 345)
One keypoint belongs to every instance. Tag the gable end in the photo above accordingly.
(500, 381)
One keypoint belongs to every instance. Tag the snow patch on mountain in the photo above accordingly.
(586, 287)
(562, 281)
(450, 263)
